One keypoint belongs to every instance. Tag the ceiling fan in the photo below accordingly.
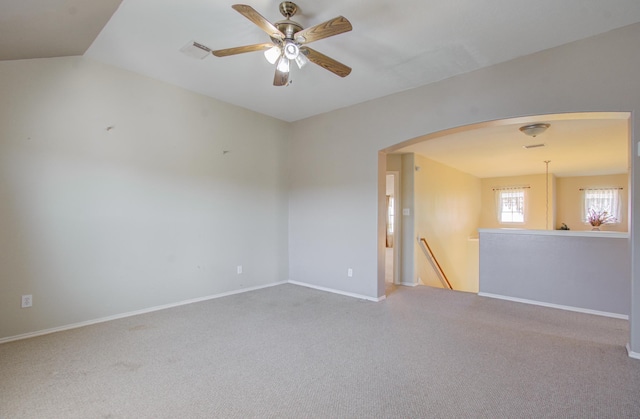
(289, 41)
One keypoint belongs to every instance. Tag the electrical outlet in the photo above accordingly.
(239, 269)
(27, 301)
(350, 272)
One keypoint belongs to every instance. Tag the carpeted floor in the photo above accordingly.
(289, 351)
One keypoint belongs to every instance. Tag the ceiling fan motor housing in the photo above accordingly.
(288, 28)
(288, 9)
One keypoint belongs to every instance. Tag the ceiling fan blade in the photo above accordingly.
(325, 62)
(281, 78)
(251, 14)
(241, 50)
(329, 28)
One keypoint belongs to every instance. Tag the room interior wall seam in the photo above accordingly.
(339, 292)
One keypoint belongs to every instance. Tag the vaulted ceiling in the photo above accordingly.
(51, 28)
(394, 46)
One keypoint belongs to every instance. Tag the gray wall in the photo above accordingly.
(581, 270)
(99, 222)
(334, 205)
(184, 214)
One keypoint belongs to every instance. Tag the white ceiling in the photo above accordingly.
(394, 46)
(575, 144)
(51, 28)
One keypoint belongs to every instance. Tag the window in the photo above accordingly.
(600, 200)
(390, 214)
(510, 205)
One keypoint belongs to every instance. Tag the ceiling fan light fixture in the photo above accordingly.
(287, 39)
(291, 50)
(272, 54)
(534, 129)
(301, 60)
(283, 65)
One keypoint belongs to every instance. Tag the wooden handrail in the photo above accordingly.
(433, 257)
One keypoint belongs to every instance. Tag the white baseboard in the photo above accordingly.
(334, 291)
(409, 284)
(558, 306)
(133, 313)
(634, 355)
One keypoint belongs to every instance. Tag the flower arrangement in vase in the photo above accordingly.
(597, 218)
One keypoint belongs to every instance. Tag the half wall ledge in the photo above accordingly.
(586, 270)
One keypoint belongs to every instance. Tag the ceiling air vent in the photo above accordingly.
(195, 50)
(533, 146)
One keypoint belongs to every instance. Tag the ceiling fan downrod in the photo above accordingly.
(288, 9)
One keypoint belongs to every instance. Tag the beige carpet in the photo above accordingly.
(290, 351)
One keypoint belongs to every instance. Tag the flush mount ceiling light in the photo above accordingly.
(534, 129)
(289, 41)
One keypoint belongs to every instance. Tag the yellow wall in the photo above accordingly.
(536, 202)
(570, 200)
(447, 211)
(565, 201)
(451, 205)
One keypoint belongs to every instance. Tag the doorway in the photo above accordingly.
(456, 244)
(392, 238)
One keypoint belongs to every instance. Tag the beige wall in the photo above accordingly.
(570, 200)
(447, 212)
(394, 162)
(99, 222)
(536, 203)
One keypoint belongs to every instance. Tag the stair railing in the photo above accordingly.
(434, 262)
